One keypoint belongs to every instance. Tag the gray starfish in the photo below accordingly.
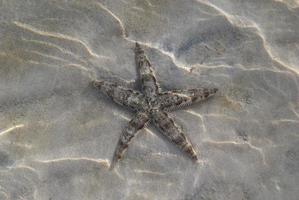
(152, 105)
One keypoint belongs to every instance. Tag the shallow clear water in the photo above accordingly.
(58, 134)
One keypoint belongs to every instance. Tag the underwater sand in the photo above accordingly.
(58, 134)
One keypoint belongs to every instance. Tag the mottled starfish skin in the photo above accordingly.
(151, 105)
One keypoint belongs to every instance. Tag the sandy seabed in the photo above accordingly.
(58, 134)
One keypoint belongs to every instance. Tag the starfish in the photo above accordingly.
(152, 105)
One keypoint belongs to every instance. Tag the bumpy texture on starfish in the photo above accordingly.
(152, 105)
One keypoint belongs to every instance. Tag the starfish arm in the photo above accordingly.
(146, 74)
(173, 132)
(178, 98)
(121, 95)
(137, 123)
